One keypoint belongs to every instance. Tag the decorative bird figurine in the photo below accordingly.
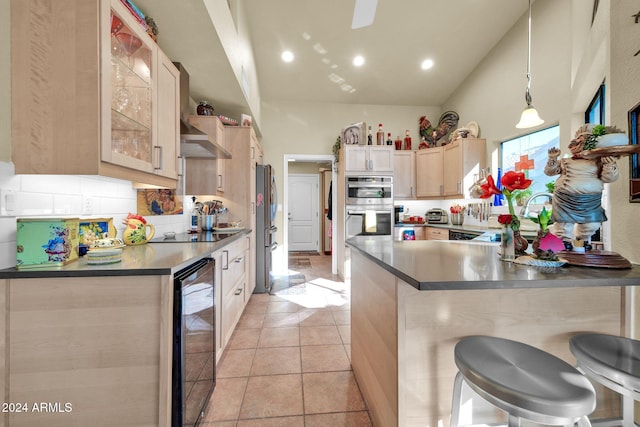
(447, 123)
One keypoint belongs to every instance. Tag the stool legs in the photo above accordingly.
(457, 397)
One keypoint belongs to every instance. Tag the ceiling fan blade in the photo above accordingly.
(364, 13)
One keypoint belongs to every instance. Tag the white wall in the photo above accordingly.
(312, 128)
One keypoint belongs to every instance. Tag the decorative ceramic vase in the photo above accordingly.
(135, 232)
(520, 243)
(507, 247)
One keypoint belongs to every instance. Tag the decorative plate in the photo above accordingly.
(474, 129)
(529, 260)
(618, 150)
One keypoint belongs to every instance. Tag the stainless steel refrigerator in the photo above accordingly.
(266, 207)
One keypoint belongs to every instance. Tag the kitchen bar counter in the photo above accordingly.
(148, 259)
(412, 301)
(476, 265)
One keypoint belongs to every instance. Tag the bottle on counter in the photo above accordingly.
(380, 135)
(389, 140)
(369, 137)
(193, 227)
(407, 140)
(398, 143)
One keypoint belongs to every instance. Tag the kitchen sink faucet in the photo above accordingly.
(524, 212)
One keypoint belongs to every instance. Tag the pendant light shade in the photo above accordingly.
(529, 117)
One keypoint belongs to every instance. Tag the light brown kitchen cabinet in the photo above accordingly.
(205, 175)
(404, 175)
(434, 233)
(429, 170)
(463, 159)
(90, 100)
(240, 189)
(232, 264)
(368, 158)
(448, 171)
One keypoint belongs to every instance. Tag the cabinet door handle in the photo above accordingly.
(459, 187)
(226, 264)
(219, 181)
(441, 189)
(238, 260)
(370, 164)
(238, 291)
(411, 194)
(157, 157)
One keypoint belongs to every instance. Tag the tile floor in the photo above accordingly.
(287, 363)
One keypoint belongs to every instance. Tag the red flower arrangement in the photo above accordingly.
(511, 181)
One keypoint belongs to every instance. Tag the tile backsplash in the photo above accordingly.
(68, 196)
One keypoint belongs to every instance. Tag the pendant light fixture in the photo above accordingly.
(530, 117)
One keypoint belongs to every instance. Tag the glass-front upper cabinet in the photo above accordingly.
(130, 63)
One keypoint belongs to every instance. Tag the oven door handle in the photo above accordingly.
(362, 212)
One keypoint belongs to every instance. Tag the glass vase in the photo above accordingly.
(507, 244)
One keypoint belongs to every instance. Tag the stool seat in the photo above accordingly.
(523, 380)
(614, 362)
(616, 358)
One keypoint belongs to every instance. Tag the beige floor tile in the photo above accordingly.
(345, 333)
(250, 321)
(342, 419)
(244, 338)
(276, 360)
(257, 307)
(235, 363)
(218, 424)
(282, 307)
(342, 317)
(226, 400)
(324, 358)
(339, 302)
(281, 320)
(331, 392)
(316, 317)
(259, 298)
(279, 337)
(272, 396)
(347, 349)
(273, 422)
(319, 335)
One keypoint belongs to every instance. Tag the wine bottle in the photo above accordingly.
(380, 135)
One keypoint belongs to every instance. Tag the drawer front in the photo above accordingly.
(437, 234)
(233, 266)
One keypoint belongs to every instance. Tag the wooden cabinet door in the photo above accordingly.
(381, 158)
(404, 175)
(429, 173)
(168, 134)
(453, 176)
(356, 158)
(464, 158)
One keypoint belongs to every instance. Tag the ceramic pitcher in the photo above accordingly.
(137, 231)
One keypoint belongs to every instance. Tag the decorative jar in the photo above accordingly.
(507, 244)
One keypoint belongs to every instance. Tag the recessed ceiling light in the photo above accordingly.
(358, 61)
(426, 64)
(287, 56)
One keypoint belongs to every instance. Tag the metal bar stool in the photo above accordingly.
(523, 381)
(614, 362)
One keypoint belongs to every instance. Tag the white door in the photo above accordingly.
(303, 212)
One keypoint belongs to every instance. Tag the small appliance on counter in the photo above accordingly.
(437, 216)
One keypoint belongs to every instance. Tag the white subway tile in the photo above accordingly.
(58, 184)
(67, 205)
(7, 254)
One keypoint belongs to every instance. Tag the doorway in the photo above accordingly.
(303, 212)
(319, 159)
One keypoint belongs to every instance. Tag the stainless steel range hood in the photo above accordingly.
(193, 141)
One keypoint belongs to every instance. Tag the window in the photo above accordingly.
(595, 111)
(528, 153)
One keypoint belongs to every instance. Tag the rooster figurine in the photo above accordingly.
(447, 123)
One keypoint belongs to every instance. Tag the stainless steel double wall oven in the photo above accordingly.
(369, 205)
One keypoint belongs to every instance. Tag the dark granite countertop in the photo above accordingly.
(147, 259)
(456, 265)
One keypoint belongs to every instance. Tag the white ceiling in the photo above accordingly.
(455, 34)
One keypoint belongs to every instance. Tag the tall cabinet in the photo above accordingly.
(240, 188)
(92, 94)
